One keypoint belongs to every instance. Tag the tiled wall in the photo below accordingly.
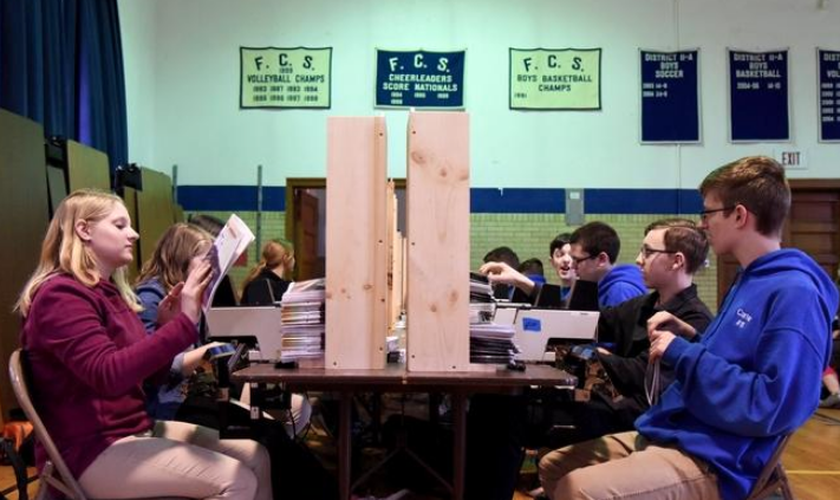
(528, 234)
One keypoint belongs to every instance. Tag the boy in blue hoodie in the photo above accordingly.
(594, 250)
(751, 380)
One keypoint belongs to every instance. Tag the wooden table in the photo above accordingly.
(395, 378)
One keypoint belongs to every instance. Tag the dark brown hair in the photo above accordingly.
(596, 237)
(683, 235)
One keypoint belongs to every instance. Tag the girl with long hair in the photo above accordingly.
(89, 355)
(268, 280)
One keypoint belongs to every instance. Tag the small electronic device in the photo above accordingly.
(535, 329)
(249, 325)
(550, 297)
(584, 296)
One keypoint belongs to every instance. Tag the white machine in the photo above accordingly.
(261, 323)
(535, 327)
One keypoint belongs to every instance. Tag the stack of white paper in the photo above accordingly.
(302, 320)
(489, 343)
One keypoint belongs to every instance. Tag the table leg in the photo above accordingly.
(459, 448)
(344, 440)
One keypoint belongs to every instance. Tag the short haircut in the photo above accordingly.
(503, 254)
(756, 182)
(596, 237)
(559, 241)
(683, 235)
(532, 266)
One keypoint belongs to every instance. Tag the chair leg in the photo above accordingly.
(43, 485)
(19, 468)
(784, 485)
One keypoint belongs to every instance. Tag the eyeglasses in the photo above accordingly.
(578, 260)
(704, 214)
(647, 251)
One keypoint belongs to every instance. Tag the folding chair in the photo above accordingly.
(55, 473)
(773, 477)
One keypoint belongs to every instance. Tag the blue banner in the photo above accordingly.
(758, 96)
(420, 79)
(828, 62)
(670, 96)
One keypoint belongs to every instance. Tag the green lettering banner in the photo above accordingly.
(274, 77)
(555, 79)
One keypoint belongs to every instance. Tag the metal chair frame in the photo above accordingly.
(55, 473)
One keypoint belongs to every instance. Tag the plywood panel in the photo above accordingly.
(56, 186)
(130, 199)
(25, 208)
(87, 168)
(357, 246)
(438, 250)
(155, 212)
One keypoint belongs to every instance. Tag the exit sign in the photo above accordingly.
(792, 159)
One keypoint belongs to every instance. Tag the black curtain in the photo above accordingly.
(61, 65)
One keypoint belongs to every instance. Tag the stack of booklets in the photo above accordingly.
(302, 321)
(489, 343)
(482, 304)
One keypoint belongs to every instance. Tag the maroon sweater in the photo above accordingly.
(89, 356)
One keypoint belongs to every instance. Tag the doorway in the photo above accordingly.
(306, 202)
(813, 226)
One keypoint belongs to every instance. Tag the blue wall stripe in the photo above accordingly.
(230, 198)
(517, 200)
(642, 201)
(482, 200)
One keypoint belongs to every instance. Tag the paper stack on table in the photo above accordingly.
(490, 343)
(302, 320)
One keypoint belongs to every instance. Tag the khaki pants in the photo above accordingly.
(625, 465)
(180, 460)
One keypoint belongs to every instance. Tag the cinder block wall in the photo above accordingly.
(528, 234)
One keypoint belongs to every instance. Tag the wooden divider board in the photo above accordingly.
(438, 252)
(87, 168)
(25, 208)
(155, 212)
(357, 246)
(130, 200)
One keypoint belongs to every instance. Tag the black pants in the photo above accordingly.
(495, 445)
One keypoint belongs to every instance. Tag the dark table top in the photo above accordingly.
(396, 377)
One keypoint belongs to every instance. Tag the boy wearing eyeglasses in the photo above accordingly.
(752, 379)
(594, 250)
(673, 250)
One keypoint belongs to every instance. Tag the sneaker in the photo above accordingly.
(832, 401)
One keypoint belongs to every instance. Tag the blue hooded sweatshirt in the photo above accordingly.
(755, 374)
(623, 282)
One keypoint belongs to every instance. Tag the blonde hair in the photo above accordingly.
(170, 262)
(64, 252)
(275, 253)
